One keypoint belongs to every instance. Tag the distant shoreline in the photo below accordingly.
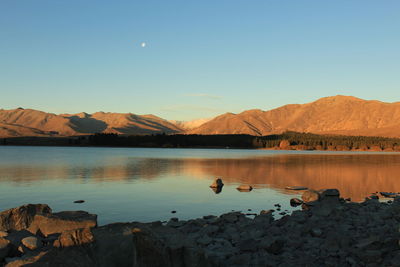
(285, 141)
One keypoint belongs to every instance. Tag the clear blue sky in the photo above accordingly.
(202, 58)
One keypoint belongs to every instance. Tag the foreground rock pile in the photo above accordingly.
(328, 232)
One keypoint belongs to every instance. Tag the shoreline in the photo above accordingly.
(329, 231)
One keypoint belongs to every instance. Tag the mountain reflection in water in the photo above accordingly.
(355, 175)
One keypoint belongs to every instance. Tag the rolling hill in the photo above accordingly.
(342, 115)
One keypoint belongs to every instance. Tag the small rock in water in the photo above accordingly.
(216, 190)
(277, 205)
(244, 188)
(174, 211)
(282, 213)
(217, 183)
(294, 202)
(248, 209)
(79, 201)
(296, 187)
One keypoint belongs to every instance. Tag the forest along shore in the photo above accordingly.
(329, 231)
(284, 141)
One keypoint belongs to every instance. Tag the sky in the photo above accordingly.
(201, 58)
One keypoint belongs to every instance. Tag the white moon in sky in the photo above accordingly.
(143, 44)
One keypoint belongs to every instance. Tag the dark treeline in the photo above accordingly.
(287, 140)
(308, 141)
(176, 140)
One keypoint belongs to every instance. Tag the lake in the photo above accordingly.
(146, 184)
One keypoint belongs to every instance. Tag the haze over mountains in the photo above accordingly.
(344, 115)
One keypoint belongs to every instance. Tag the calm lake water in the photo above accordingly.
(144, 184)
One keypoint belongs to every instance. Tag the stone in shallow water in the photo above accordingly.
(244, 188)
(296, 187)
(294, 202)
(217, 183)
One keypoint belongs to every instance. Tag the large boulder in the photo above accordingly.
(62, 221)
(20, 218)
(76, 237)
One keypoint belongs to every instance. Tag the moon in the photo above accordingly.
(143, 44)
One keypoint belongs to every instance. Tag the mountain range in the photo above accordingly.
(343, 115)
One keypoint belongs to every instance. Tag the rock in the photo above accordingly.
(266, 212)
(217, 183)
(3, 234)
(31, 242)
(216, 190)
(329, 193)
(174, 211)
(79, 201)
(76, 237)
(372, 197)
(389, 194)
(4, 248)
(284, 144)
(316, 232)
(275, 247)
(21, 217)
(15, 237)
(248, 245)
(244, 188)
(62, 221)
(310, 196)
(294, 202)
(296, 188)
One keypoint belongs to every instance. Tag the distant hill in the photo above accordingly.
(29, 122)
(340, 115)
(343, 115)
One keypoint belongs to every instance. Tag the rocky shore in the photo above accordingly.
(329, 231)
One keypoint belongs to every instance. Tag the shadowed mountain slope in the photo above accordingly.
(28, 122)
